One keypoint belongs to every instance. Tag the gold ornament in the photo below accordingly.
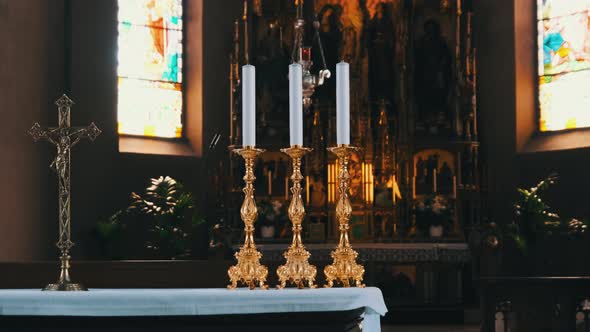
(248, 270)
(297, 270)
(344, 268)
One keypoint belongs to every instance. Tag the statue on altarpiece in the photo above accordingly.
(433, 79)
(381, 55)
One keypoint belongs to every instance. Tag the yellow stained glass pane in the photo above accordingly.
(149, 108)
(565, 101)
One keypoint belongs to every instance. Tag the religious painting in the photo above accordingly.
(433, 64)
(317, 191)
(564, 64)
(434, 172)
(150, 48)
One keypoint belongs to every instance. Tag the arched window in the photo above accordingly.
(150, 50)
(564, 64)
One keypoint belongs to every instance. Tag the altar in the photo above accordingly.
(337, 309)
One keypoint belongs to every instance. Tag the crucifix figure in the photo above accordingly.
(64, 137)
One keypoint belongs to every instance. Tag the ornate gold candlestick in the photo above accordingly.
(248, 270)
(344, 268)
(297, 270)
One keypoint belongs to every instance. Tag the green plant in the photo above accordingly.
(534, 220)
(110, 234)
(164, 217)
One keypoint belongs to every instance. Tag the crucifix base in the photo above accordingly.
(65, 286)
(64, 283)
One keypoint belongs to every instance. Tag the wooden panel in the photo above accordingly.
(120, 274)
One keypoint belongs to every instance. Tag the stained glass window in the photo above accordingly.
(149, 68)
(564, 64)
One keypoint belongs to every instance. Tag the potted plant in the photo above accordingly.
(161, 223)
(537, 239)
(433, 214)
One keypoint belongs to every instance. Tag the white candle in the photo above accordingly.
(295, 104)
(342, 104)
(248, 105)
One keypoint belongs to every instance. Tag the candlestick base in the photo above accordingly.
(297, 269)
(248, 270)
(344, 269)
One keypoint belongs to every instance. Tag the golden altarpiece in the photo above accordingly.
(413, 111)
(413, 114)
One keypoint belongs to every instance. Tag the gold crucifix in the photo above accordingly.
(64, 137)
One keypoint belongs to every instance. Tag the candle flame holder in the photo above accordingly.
(344, 269)
(297, 269)
(248, 270)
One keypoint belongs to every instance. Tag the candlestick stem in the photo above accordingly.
(248, 270)
(344, 268)
(297, 269)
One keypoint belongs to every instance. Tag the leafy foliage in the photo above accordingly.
(165, 214)
(534, 219)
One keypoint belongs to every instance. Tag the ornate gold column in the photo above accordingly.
(248, 270)
(344, 268)
(297, 270)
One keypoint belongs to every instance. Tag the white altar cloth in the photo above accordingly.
(188, 302)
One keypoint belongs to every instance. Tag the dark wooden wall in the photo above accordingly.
(506, 40)
(32, 77)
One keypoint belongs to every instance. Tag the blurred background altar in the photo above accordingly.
(416, 182)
